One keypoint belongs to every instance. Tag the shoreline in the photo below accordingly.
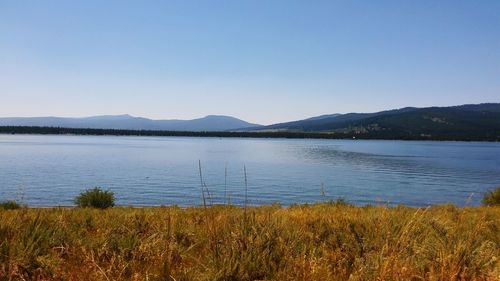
(274, 205)
(27, 130)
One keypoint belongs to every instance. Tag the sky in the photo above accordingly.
(262, 61)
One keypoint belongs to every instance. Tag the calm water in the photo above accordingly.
(51, 170)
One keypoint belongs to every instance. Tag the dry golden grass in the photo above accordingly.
(316, 242)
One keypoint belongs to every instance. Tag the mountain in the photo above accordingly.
(471, 121)
(463, 122)
(208, 123)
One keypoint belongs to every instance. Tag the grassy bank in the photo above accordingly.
(316, 242)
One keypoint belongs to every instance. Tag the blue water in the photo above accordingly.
(52, 170)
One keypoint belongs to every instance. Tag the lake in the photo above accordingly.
(44, 171)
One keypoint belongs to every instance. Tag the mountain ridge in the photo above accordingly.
(128, 122)
(461, 122)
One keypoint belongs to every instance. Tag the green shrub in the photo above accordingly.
(95, 198)
(492, 197)
(340, 201)
(9, 205)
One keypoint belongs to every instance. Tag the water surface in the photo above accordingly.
(142, 171)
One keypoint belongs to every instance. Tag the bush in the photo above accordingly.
(9, 205)
(492, 197)
(95, 198)
(340, 202)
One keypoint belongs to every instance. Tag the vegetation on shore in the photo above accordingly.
(95, 198)
(9, 205)
(380, 134)
(327, 241)
(492, 197)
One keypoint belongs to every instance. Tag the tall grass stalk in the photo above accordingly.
(246, 188)
(225, 184)
(202, 186)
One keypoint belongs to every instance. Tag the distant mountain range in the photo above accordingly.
(127, 122)
(463, 122)
(481, 121)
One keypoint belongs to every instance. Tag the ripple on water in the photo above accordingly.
(51, 170)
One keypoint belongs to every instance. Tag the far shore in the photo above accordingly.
(26, 130)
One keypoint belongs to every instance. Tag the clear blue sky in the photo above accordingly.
(262, 61)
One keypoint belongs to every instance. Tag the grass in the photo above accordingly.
(332, 241)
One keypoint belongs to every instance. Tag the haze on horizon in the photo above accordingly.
(261, 61)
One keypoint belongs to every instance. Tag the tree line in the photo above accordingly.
(391, 135)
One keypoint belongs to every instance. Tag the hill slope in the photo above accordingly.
(481, 121)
